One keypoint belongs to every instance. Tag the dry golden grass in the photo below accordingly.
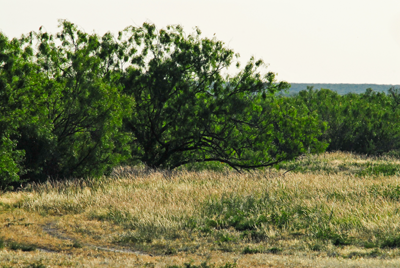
(331, 210)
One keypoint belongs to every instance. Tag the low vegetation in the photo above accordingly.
(333, 209)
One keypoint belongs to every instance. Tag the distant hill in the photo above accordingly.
(342, 89)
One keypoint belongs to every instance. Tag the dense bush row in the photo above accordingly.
(367, 123)
(76, 105)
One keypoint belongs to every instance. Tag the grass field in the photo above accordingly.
(331, 210)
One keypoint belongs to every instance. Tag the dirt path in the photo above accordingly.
(52, 230)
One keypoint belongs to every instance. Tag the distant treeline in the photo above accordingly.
(342, 89)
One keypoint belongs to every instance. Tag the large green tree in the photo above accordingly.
(17, 75)
(187, 111)
(66, 89)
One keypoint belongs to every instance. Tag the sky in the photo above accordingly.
(303, 41)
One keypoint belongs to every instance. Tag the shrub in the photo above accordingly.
(362, 123)
(62, 107)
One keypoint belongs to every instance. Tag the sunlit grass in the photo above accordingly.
(335, 206)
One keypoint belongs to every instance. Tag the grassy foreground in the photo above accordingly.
(331, 210)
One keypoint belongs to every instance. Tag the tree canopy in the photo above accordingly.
(62, 105)
(187, 111)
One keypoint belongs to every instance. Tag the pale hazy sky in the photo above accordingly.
(304, 41)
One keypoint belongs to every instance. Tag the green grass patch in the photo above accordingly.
(225, 238)
(21, 246)
(37, 264)
(391, 192)
(77, 244)
(370, 245)
(372, 169)
(391, 242)
(248, 214)
(357, 254)
(254, 235)
(135, 237)
(308, 164)
(249, 250)
(327, 234)
(204, 265)
(260, 249)
(317, 246)
(114, 215)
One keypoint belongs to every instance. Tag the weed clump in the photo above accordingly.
(20, 246)
(391, 242)
(385, 169)
(249, 250)
(204, 265)
(37, 264)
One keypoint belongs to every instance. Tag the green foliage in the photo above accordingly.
(20, 246)
(224, 238)
(254, 235)
(251, 215)
(136, 238)
(16, 77)
(235, 211)
(248, 214)
(186, 111)
(326, 234)
(379, 169)
(116, 216)
(390, 192)
(66, 97)
(316, 164)
(10, 160)
(80, 108)
(77, 244)
(393, 153)
(201, 166)
(76, 105)
(316, 246)
(274, 250)
(391, 241)
(62, 106)
(37, 264)
(370, 245)
(362, 123)
(204, 265)
(249, 250)
(307, 164)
